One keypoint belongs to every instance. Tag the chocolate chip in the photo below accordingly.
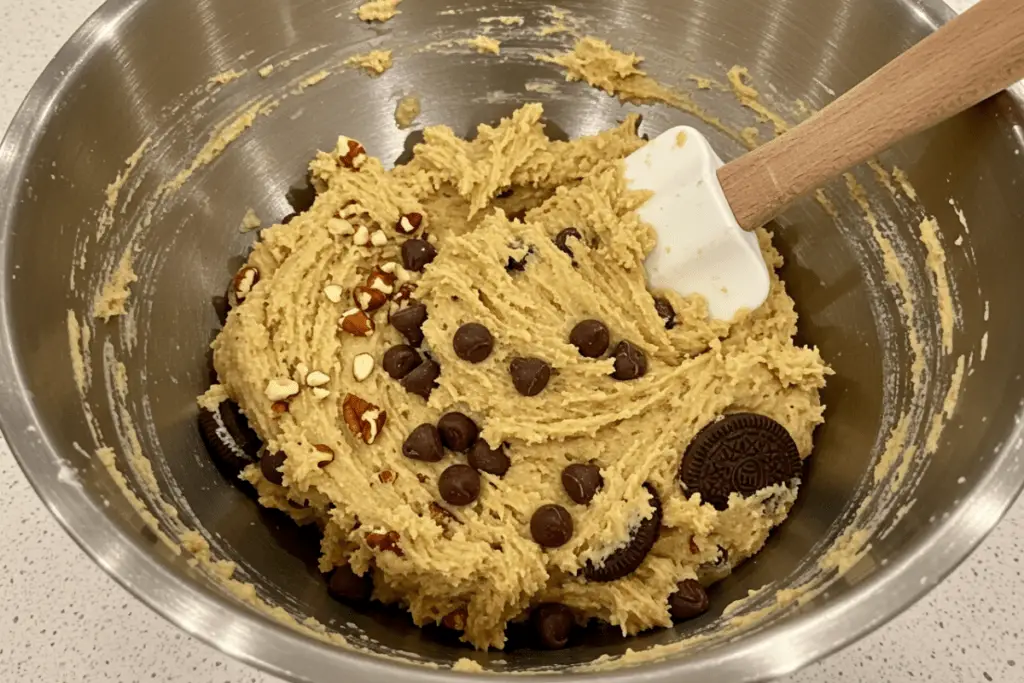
(665, 311)
(473, 342)
(529, 375)
(409, 322)
(459, 485)
(630, 361)
(347, 586)
(562, 238)
(458, 431)
(400, 360)
(582, 482)
(689, 601)
(591, 337)
(416, 254)
(551, 526)
(515, 265)
(270, 464)
(422, 380)
(228, 437)
(741, 453)
(552, 622)
(485, 459)
(423, 443)
(625, 561)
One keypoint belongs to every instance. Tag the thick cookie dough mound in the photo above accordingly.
(334, 422)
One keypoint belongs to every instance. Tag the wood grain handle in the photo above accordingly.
(972, 57)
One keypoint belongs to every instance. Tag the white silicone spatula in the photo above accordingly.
(703, 210)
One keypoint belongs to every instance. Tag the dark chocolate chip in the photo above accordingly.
(270, 464)
(551, 526)
(228, 437)
(485, 459)
(459, 485)
(562, 240)
(529, 375)
(741, 453)
(423, 443)
(552, 622)
(347, 586)
(689, 601)
(515, 265)
(458, 431)
(416, 254)
(473, 342)
(591, 337)
(582, 482)
(422, 380)
(625, 561)
(665, 311)
(400, 360)
(630, 361)
(409, 322)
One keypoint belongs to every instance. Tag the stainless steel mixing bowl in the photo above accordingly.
(139, 69)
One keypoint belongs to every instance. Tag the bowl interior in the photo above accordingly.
(140, 71)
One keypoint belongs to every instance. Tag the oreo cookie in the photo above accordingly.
(625, 561)
(741, 453)
(229, 439)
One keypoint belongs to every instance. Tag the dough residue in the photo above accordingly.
(378, 10)
(226, 77)
(374, 62)
(113, 297)
(406, 111)
(937, 264)
(485, 45)
(459, 560)
(250, 221)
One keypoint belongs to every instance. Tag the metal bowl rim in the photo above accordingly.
(198, 610)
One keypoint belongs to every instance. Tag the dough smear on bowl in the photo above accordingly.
(506, 244)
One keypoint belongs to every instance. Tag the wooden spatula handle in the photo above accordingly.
(972, 57)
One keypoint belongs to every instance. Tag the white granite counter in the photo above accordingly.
(64, 619)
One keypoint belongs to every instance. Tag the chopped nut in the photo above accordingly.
(368, 298)
(281, 388)
(327, 451)
(385, 541)
(378, 238)
(317, 378)
(361, 237)
(334, 293)
(279, 407)
(402, 274)
(355, 321)
(440, 515)
(320, 394)
(409, 223)
(381, 281)
(353, 153)
(389, 267)
(364, 419)
(456, 620)
(243, 282)
(404, 292)
(340, 227)
(301, 370)
(362, 366)
(387, 477)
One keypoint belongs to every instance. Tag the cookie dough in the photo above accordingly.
(492, 209)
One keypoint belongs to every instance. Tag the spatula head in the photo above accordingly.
(701, 248)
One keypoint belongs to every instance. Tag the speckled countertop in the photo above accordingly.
(64, 619)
